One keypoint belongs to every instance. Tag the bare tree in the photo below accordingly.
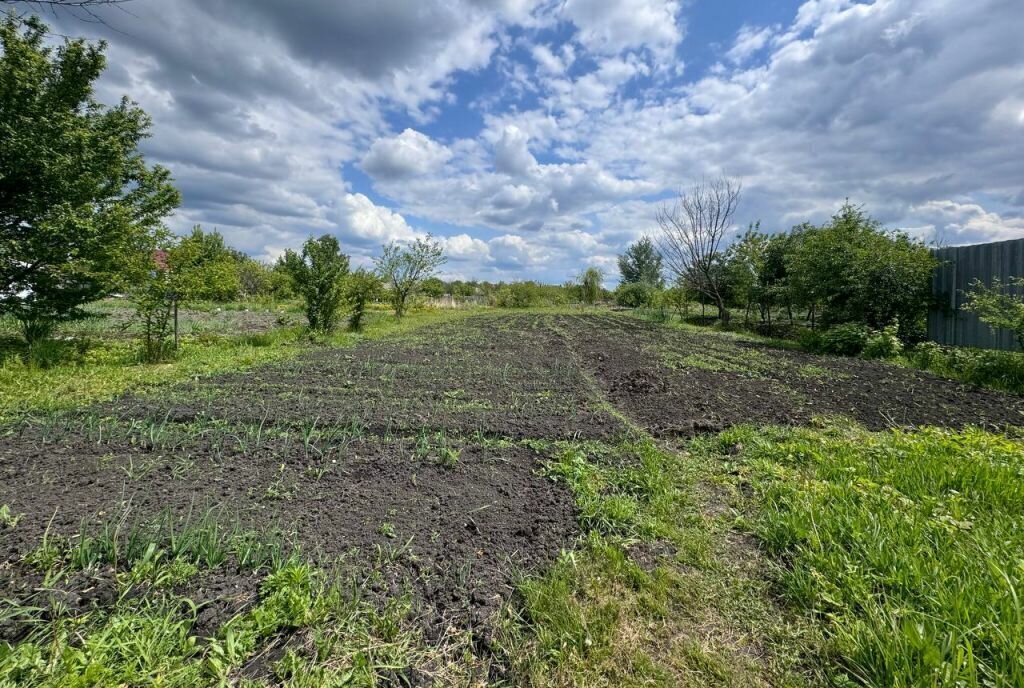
(693, 229)
(80, 9)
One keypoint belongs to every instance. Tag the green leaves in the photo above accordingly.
(404, 268)
(998, 305)
(77, 200)
(318, 274)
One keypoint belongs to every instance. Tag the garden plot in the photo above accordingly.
(675, 382)
(485, 377)
(473, 501)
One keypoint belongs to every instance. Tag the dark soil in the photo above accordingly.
(481, 377)
(397, 486)
(454, 536)
(660, 378)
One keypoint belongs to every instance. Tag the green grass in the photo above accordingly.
(906, 546)
(651, 596)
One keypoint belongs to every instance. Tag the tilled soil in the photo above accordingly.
(453, 535)
(412, 494)
(678, 383)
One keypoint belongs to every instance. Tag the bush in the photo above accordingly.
(841, 340)
(884, 343)
(318, 274)
(361, 287)
(636, 295)
(1003, 370)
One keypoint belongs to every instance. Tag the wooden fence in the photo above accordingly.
(948, 323)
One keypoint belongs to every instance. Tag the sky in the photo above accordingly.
(535, 138)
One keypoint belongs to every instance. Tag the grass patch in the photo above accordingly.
(650, 597)
(907, 545)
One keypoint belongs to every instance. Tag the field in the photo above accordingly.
(556, 498)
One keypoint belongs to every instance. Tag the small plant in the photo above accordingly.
(387, 529)
(8, 519)
(884, 343)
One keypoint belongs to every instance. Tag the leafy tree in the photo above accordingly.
(199, 266)
(998, 306)
(77, 201)
(318, 274)
(590, 285)
(403, 269)
(641, 264)
(205, 268)
(433, 287)
(860, 273)
(361, 288)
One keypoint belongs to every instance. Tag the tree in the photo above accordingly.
(998, 306)
(403, 269)
(205, 268)
(590, 285)
(641, 264)
(361, 287)
(77, 200)
(318, 274)
(433, 287)
(692, 231)
(860, 273)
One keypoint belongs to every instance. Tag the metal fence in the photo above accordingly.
(948, 323)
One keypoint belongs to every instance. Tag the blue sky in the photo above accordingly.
(537, 137)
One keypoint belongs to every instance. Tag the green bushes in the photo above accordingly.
(1003, 370)
(636, 295)
(319, 277)
(841, 340)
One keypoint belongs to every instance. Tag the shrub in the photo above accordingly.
(1000, 306)
(361, 288)
(842, 340)
(636, 295)
(318, 274)
(884, 343)
(1003, 370)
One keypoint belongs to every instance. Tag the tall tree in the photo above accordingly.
(319, 277)
(693, 230)
(404, 268)
(641, 264)
(76, 197)
(590, 285)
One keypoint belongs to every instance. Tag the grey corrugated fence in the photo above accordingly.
(948, 323)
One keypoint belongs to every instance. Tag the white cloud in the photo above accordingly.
(609, 28)
(410, 153)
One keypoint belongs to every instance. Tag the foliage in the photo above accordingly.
(433, 288)
(590, 285)
(636, 295)
(361, 288)
(1003, 370)
(842, 340)
(76, 197)
(908, 544)
(527, 294)
(884, 343)
(641, 264)
(998, 306)
(404, 268)
(859, 273)
(318, 275)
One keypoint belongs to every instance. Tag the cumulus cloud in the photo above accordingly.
(538, 136)
(408, 154)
